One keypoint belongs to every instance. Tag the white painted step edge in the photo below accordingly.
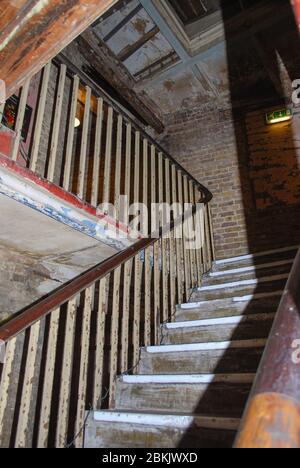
(257, 255)
(250, 297)
(166, 420)
(211, 346)
(234, 320)
(250, 269)
(189, 379)
(237, 284)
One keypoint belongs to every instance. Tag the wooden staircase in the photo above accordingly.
(191, 391)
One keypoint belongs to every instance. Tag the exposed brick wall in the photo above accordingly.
(213, 146)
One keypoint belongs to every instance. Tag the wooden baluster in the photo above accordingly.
(97, 153)
(164, 244)
(118, 167)
(172, 280)
(154, 227)
(27, 389)
(2, 107)
(44, 421)
(147, 262)
(200, 234)
(100, 342)
(71, 133)
(191, 230)
(207, 239)
(187, 257)
(211, 230)
(197, 259)
(137, 265)
(66, 377)
(83, 367)
(4, 380)
(40, 118)
(125, 317)
(56, 124)
(20, 120)
(177, 232)
(84, 144)
(114, 337)
(108, 156)
(7, 380)
(128, 265)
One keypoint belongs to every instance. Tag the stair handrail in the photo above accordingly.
(43, 307)
(272, 416)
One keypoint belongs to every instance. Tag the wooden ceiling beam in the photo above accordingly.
(123, 23)
(33, 32)
(131, 49)
(116, 74)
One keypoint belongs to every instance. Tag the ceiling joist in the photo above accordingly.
(116, 74)
(177, 46)
(131, 49)
(123, 23)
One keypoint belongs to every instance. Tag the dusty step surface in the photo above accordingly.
(240, 288)
(256, 260)
(222, 395)
(218, 329)
(238, 305)
(248, 273)
(203, 358)
(152, 430)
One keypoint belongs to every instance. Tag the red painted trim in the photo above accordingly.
(58, 192)
(296, 6)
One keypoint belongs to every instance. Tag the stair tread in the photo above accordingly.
(231, 320)
(161, 431)
(145, 418)
(209, 346)
(216, 278)
(188, 378)
(260, 257)
(241, 283)
(214, 398)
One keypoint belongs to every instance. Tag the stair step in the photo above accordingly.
(188, 379)
(258, 258)
(239, 289)
(251, 268)
(203, 358)
(244, 283)
(248, 273)
(206, 394)
(153, 430)
(249, 304)
(218, 329)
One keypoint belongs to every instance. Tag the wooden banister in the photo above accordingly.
(272, 418)
(105, 315)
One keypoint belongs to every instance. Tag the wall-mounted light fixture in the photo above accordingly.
(282, 115)
(77, 123)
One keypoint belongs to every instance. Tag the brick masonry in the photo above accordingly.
(235, 164)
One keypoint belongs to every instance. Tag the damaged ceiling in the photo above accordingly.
(178, 52)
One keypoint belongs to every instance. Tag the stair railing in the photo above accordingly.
(64, 353)
(272, 417)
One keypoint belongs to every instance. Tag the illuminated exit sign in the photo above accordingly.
(278, 116)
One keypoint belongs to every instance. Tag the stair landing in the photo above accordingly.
(39, 254)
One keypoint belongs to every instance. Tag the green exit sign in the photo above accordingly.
(278, 116)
